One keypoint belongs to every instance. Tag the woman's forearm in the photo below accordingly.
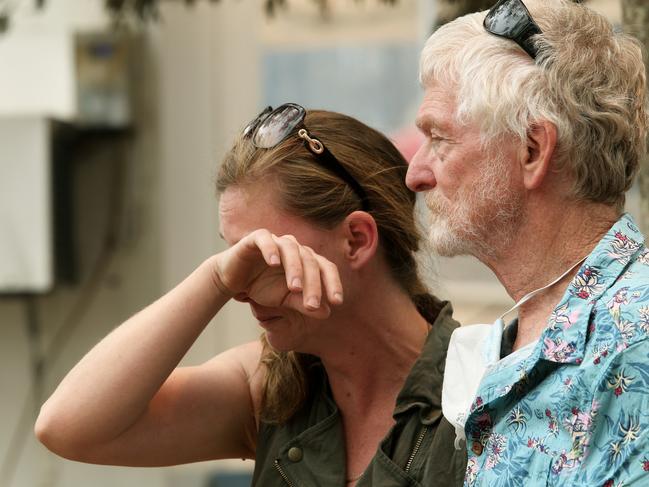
(108, 390)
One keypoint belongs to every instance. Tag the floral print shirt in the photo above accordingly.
(576, 411)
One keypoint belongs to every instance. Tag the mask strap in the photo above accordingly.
(531, 294)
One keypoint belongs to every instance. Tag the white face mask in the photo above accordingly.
(472, 350)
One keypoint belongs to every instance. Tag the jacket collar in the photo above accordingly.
(423, 386)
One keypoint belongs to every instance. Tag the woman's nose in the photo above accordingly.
(242, 298)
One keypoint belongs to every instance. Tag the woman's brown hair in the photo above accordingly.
(309, 190)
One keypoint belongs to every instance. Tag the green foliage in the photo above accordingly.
(451, 9)
(146, 10)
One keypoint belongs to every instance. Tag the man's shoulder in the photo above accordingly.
(620, 317)
(629, 293)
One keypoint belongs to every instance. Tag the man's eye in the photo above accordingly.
(435, 140)
(437, 145)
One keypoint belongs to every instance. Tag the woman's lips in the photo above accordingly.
(264, 316)
(264, 320)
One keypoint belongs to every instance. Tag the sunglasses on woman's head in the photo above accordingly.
(271, 127)
(511, 19)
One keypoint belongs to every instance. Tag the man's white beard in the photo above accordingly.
(481, 221)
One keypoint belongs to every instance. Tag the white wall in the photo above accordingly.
(25, 233)
(37, 59)
(196, 85)
(209, 82)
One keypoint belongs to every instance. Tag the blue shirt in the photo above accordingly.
(575, 411)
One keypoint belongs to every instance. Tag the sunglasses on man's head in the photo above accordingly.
(511, 19)
(271, 127)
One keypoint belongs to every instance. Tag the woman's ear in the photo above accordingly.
(541, 144)
(361, 238)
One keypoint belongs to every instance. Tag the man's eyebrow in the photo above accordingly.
(423, 124)
(426, 124)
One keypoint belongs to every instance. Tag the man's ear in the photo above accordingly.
(541, 143)
(361, 238)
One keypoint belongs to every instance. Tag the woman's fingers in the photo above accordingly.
(331, 280)
(312, 292)
(289, 251)
(265, 242)
(237, 267)
(319, 277)
(295, 301)
(312, 280)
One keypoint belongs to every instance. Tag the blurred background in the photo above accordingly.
(109, 143)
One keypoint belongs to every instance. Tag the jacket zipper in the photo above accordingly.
(415, 450)
(281, 472)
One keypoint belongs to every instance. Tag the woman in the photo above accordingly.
(322, 236)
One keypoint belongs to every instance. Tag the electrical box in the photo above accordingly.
(102, 79)
(89, 97)
(25, 209)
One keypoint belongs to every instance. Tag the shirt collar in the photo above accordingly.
(508, 338)
(564, 340)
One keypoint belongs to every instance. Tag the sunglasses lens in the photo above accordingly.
(254, 123)
(278, 125)
(508, 18)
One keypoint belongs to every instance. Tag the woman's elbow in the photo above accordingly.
(51, 430)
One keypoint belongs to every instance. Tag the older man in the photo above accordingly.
(535, 124)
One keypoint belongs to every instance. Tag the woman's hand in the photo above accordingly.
(278, 271)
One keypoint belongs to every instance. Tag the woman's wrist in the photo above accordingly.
(214, 269)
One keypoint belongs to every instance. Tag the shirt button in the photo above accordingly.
(295, 454)
(476, 447)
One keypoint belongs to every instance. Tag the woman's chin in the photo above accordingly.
(279, 344)
(280, 340)
(287, 333)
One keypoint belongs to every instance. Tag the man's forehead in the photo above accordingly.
(434, 117)
(437, 109)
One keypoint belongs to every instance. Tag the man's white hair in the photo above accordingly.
(588, 80)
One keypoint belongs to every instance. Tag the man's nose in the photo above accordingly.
(420, 175)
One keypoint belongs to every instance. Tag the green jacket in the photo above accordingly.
(308, 451)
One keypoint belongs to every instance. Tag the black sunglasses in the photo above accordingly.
(511, 19)
(273, 126)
